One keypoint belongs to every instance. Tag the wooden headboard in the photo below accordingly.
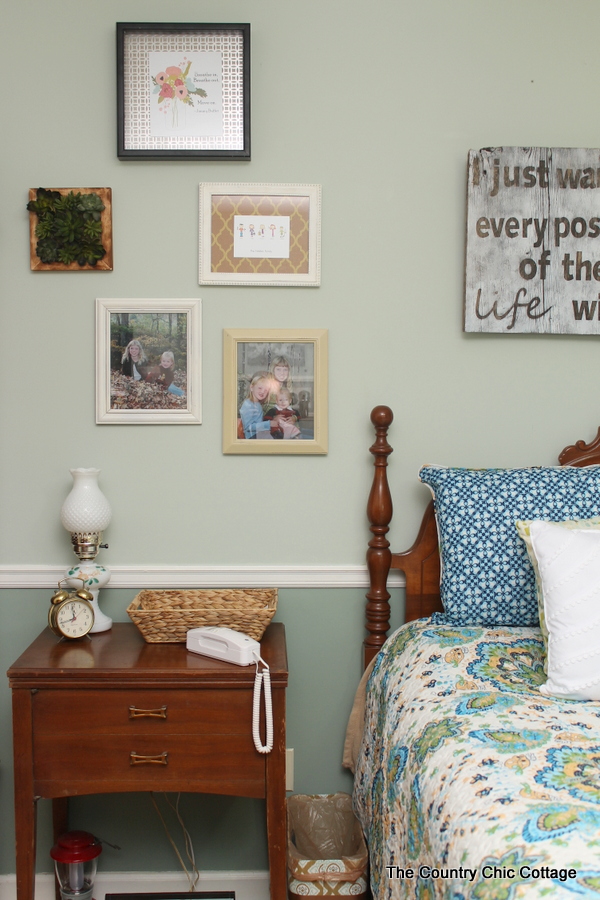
(420, 564)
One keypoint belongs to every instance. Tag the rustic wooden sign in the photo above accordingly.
(533, 241)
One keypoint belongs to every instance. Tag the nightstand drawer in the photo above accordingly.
(207, 763)
(101, 712)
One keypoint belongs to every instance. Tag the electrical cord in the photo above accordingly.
(194, 876)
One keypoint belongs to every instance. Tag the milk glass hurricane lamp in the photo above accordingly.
(85, 514)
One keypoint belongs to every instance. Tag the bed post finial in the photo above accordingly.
(379, 557)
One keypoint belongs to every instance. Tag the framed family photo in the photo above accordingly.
(148, 362)
(275, 391)
(183, 91)
(263, 234)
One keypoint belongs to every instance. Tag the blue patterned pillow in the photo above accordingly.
(487, 578)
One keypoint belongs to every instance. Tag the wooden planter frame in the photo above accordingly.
(103, 265)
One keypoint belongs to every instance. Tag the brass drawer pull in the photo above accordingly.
(135, 713)
(161, 759)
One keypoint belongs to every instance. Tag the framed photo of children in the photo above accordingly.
(264, 234)
(148, 362)
(275, 391)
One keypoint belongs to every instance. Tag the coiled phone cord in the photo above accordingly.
(262, 681)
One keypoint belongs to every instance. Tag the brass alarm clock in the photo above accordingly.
(71, 614)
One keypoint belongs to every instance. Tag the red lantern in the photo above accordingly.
(75, 858)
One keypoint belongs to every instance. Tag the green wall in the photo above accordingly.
(379, 104)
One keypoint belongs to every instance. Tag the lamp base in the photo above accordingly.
(94, 577)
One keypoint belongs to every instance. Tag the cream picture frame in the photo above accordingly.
(256, 387)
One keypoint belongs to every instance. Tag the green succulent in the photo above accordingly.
(67, 254)
(91, 253)
(69, 227)
(91, 206)
(47, 250)
(44, 227)
(45, 201)
(92, 229)
(67, 201)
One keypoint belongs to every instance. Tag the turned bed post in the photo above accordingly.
(379, 557)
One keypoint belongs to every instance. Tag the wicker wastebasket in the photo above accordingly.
(327, 855)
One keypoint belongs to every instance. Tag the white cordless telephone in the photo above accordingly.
(234, 647)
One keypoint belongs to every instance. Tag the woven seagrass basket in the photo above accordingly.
(167, 616)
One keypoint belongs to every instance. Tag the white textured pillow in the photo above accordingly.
(523, 530)
(569, 568)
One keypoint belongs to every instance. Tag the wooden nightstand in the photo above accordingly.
(149, 717)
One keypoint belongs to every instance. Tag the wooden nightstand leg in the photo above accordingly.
(60, 825)
(25, 802)
(60, 816)
(276, 803)
(25, 828)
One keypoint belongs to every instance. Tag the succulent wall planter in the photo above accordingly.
(70, 229)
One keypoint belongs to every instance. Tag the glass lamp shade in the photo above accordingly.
(85, 514)
(75, 858)
(86, 509)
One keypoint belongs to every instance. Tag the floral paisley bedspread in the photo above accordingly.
(469, 782)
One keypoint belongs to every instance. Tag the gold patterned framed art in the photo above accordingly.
(262, 234)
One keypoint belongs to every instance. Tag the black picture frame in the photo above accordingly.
(138, 135)
(188, 895)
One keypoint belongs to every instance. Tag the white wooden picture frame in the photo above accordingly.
(164, 383)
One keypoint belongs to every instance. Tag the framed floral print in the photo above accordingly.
(183, 91)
